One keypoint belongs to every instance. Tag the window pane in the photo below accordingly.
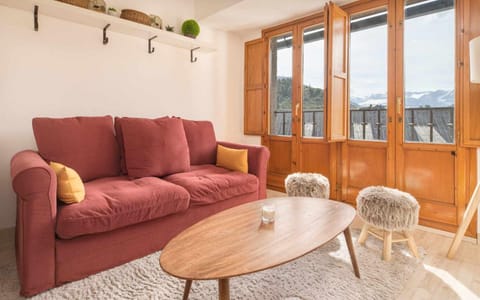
(368, 75)
(281, 55)
(429, 71)
(313, 81)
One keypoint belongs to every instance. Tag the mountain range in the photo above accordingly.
(313, 97)
(438, 98)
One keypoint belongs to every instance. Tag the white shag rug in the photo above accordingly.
(326, 273)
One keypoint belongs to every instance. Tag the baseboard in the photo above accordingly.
(7, 235)
(449, 234)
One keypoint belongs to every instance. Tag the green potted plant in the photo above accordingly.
(190, 28)
(112, 11)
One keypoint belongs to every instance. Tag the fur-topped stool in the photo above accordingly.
(307, 185)
(389, 210)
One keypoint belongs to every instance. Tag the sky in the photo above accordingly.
(429, 45)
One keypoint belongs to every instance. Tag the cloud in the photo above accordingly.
(429, 44)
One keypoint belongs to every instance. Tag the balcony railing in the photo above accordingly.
(368, 124)
(429, 124)
(422, 124)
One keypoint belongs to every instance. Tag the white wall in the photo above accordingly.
(205, 8)
(65, 70)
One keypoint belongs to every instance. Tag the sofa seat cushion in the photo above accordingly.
(116, 202)
(208, 184)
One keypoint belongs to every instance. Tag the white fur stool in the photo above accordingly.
(389, 210)
(307, 185)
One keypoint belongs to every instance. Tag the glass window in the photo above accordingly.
(368, 75)
(429, 44)
(313, 81)
(281, 59)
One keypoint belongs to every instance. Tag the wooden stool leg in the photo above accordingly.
(387, 245)
(411, 243)
(186, 291)
(364, 234)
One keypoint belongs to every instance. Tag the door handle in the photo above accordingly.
(399, 106)
(297, 107)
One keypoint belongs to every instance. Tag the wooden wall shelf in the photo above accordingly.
(98, 20)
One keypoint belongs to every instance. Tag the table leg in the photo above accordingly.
(348, 238)
(186, 291)
(223, 289)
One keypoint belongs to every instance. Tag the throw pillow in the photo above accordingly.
(86, 144)
(232, 159)
(155, 147)
(70, 188)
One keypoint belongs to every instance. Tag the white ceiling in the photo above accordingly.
(248, 15)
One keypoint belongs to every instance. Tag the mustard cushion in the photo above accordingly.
(232, 159)
(70, 188)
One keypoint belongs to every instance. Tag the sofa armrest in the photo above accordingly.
(257, 163)
(35, 184)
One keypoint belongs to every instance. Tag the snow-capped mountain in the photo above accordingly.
(438, 98)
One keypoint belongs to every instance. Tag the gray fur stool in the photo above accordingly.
(307, 185)
(389, 210)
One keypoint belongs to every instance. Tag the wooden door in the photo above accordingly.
(324, 125)
(429, 161)
(418, 150)
(297, 135)
(399, 141)
(282, 98)
(368, 156)
(316, 155)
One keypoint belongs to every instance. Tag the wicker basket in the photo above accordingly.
(80, 3)
(135, 16)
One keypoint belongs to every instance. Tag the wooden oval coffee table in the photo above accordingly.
(235, 241)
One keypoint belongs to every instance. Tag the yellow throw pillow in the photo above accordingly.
(70, 188)
(232, 159)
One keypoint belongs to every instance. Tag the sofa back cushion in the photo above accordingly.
(201, 142)
(119, 135)
(86, 144)
(154, 147)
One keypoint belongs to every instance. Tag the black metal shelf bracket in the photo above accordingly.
(35, 17)
(193, 59)
(150, 48)
(105, 38)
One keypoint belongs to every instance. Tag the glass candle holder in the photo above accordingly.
(268, 213)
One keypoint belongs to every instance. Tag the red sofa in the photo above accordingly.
(122, 218)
